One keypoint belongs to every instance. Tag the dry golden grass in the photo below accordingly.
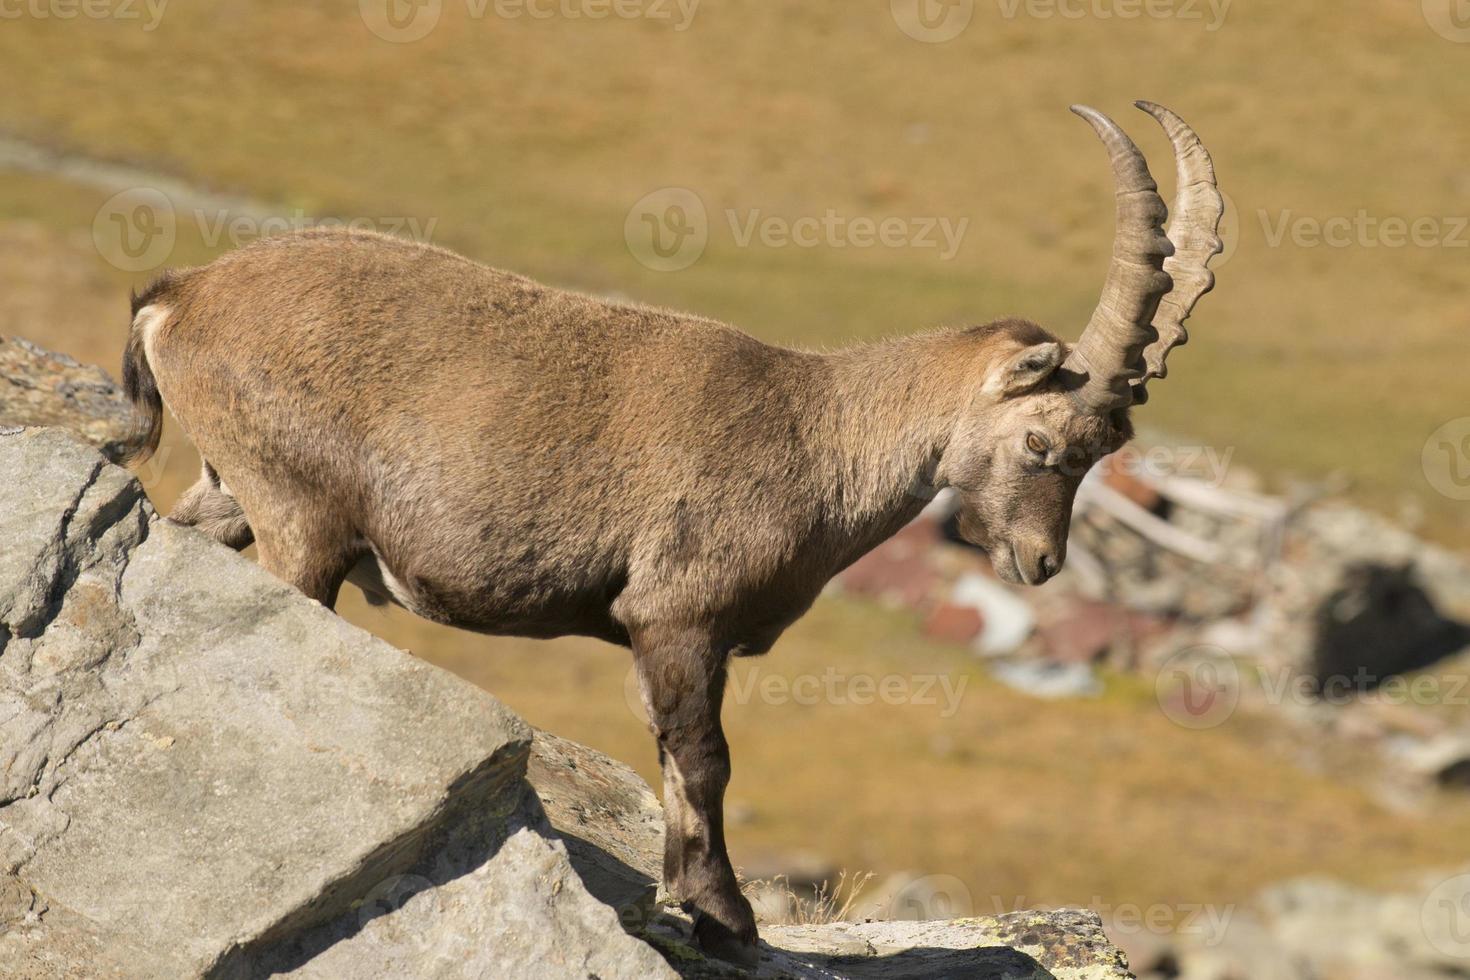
(830, 901)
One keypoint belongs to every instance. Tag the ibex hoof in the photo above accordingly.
(720, 941)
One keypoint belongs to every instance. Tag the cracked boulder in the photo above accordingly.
(492, 902)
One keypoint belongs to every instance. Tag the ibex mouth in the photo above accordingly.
(1025, 577)
(1004, 559)
(1006, 563)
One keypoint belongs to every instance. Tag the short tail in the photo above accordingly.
(138, 382)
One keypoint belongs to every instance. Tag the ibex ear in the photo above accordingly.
(1024, 370)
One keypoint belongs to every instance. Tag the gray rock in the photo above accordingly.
(530, 897)
(499, 905)
(1065, 945)
(198, 759)
(40, 388)
(609, 820)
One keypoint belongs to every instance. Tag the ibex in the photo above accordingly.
(503, 457)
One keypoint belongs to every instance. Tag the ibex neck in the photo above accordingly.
(893, 409)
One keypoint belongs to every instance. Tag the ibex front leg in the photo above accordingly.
(682, 676)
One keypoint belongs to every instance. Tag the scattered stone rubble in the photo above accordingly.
(1165, 570)
(1318, 929)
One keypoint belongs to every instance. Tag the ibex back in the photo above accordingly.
(504, 457)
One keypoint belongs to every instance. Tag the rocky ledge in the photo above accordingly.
(205, 774)
(39, 387)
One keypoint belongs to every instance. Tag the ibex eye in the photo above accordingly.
(1036, 444)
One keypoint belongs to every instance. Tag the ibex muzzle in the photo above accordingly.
(509, 458)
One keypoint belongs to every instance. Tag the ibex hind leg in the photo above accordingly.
(305, 545)
(210, 507)
(302, 541)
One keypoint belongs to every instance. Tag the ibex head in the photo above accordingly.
(1044, 414)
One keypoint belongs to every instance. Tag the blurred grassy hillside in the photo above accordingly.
(528, 142)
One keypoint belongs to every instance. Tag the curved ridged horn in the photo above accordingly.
(1109, 355)
(1193, 228)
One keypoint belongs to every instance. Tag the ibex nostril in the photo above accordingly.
(1049, 566)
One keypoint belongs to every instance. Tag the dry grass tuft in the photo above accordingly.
(829, 902)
